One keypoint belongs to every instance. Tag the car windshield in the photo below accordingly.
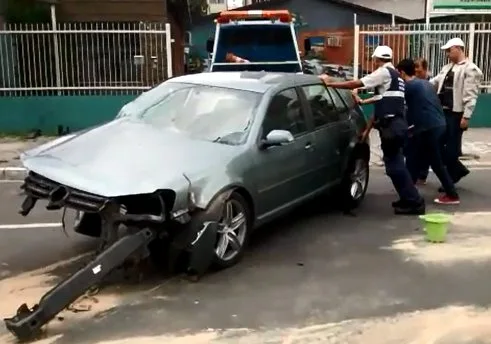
(216, 114)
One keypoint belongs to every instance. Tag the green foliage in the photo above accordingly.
(27, 11)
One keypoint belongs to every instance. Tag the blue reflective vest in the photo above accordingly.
(392, 102)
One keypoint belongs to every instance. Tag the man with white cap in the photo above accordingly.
(389, 119)
(458, 87)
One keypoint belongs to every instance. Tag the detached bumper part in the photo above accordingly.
(27, 323)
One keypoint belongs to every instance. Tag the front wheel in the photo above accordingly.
(354, 185)
(233, 236)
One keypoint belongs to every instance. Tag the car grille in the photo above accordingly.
(40, 187)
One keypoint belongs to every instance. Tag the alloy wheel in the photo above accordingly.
(359, 179)
(233, 230)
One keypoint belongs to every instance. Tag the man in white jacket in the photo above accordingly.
(458, 87)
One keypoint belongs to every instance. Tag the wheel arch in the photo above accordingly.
(226, 191)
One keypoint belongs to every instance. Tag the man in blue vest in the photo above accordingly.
(390, 121)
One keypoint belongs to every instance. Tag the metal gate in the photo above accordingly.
(421, 40)
(83, 58)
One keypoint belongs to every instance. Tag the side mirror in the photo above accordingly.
(306, 45)
(209, 45)
(277, 138)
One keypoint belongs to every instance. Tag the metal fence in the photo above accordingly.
(420, 40)
(83, 58)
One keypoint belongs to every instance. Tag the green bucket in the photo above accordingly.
(435, 226)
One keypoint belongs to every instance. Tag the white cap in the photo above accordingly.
(453, 42)
(382, 52)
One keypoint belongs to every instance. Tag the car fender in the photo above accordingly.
(216, 187)
(356, 146)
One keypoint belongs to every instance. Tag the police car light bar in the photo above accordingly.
(281, 15)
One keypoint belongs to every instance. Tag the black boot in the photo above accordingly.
(410, 208)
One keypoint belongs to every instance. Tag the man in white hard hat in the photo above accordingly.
(389, 119)
(458, 87)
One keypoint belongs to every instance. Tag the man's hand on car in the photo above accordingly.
(324, 77)
(356, 97)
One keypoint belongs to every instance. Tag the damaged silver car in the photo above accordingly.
(188, 169)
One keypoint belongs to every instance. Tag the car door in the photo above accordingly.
(347, 128)
(282, 172)
(325, 119)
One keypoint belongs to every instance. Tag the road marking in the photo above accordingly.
(31, 225)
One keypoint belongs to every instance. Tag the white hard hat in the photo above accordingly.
(382, 52)
(453, 42)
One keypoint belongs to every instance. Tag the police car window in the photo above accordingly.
(338, 102)
(321, 104)
(285, 113)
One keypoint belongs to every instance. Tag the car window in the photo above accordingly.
(321, 104)
(338, 101)
(285, 113)
(348, 98)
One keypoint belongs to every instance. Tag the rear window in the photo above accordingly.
(257, 43)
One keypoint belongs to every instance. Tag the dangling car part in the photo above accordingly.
(116, 248)
(187, 170)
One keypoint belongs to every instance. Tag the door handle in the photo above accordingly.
(309, 146)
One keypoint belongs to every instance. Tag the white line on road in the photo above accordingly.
(31, 225)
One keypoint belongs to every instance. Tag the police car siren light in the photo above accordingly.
(281, 15)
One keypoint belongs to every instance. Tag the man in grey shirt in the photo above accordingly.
(458, 87)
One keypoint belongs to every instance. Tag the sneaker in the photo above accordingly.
(416, 209)
(445, 199)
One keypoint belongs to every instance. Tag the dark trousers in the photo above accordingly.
(392, 145)
(460, 142)
(428, 147)
(410, 150)
(453, 144)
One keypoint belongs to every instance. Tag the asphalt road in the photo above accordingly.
(315, 267)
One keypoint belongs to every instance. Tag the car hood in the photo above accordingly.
(126, 157)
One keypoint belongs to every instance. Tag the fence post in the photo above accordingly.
(168, 50)
(356, 52)
(472, 35)
(56, 48)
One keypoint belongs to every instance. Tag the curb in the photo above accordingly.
(13, 173)
(20, 173)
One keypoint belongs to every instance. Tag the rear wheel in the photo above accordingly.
(354, 185)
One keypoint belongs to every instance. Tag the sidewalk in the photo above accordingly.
(477, 143)
(476, 146)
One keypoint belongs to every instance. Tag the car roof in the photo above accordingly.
(248, 81)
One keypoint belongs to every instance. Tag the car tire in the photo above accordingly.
(237, 221)
(354, 184)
